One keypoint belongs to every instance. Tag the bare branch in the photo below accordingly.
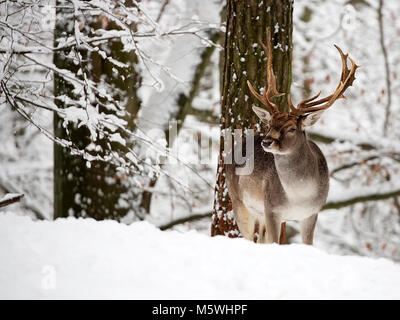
(10, 198)
(361, 198)
(190, 218)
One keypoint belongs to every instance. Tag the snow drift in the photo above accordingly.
(83, 258)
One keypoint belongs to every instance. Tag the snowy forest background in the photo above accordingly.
(157, 61)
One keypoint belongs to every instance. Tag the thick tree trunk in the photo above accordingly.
(98, 190)
(243, 59)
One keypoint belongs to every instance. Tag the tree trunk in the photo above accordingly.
(243, 59)
(98, 190)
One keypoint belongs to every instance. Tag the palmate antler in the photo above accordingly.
(307, 105)
(346, 80)
(271, 92)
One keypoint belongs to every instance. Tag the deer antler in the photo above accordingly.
(271, 92)
(346, 80)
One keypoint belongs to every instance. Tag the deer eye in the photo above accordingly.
(292, 130)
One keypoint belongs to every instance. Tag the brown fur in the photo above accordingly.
(265, 198)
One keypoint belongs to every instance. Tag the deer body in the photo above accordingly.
(290, 178)
(280, 188)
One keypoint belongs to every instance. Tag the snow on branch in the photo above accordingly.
(29, 42)
(361, 197)
(10, 198)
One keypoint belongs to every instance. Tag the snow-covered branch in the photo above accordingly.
(27, 45)
(10, 198)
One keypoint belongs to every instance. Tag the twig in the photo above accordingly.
(363, 198)
(328, 139)
(194, 217)
(352, 164)
(162, 10)
(10, 198)
(387, 68)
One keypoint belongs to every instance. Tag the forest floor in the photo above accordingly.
(83, 258)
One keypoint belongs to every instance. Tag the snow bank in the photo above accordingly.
(82, 258)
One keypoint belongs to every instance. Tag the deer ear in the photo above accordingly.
(311, 118)
(262, 114)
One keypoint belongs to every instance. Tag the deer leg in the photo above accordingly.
(244, 219)
(273, 223)
(262, 234)
(307, 227)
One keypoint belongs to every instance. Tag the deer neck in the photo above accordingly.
(297, 168)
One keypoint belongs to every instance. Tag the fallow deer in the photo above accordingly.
(290, 179)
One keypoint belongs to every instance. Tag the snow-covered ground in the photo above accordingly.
(83, 258)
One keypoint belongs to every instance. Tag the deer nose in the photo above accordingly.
(266, 144)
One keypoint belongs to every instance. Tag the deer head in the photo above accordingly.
(286, 129)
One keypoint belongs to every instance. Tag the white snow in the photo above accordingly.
(83, 258)
(9, 196)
